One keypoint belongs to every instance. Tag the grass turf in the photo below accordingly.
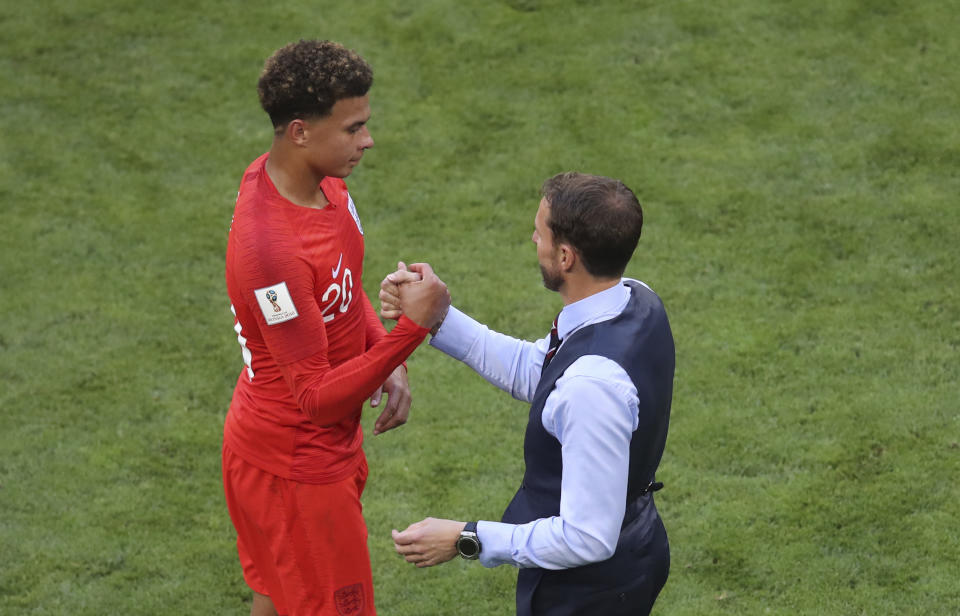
(797, 164)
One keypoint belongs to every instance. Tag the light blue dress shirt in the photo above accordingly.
(592, 412)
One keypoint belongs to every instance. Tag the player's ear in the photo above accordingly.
(297, 131)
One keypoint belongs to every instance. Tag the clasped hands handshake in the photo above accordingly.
(417, 293)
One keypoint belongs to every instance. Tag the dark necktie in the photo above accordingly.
(554, 344)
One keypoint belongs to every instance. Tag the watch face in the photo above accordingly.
(468, 547)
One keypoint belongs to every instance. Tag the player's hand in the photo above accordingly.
(425, 302)
(390, 291)
(397, 410)
(428, 542)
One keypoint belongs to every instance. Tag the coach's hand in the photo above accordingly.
(390, 291)
(397, 410)
(425, 302)
(428, 542)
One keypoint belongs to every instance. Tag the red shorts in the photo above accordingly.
(303, 545)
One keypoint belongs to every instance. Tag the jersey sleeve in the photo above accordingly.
(329, 395)
(374, 328)
(277, 287)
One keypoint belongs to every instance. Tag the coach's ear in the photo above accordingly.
(568, 257)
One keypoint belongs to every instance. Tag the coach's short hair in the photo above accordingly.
(599, 216)
(305, 80)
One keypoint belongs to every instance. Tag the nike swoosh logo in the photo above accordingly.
(336, 270)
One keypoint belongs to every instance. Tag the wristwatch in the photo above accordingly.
(468, 544)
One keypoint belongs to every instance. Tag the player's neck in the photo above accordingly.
(294, 179)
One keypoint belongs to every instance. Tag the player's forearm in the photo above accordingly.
(336, 393)
(375, 330)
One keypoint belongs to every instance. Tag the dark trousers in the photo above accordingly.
(625, 585)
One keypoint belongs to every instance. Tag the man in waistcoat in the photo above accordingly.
(583, 527)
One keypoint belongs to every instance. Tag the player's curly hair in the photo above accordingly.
(305, 79)
(599, 216)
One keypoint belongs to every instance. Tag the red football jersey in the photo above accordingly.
(312, 344)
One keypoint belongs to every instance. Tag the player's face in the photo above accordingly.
(336, 142)
(547, 253)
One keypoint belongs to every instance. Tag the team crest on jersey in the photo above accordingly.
(353, 212)
(349, 599)
(276, 303)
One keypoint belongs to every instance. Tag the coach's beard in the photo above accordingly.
(551, 280)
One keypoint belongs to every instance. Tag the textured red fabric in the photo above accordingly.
(296, 407)
(303, 545)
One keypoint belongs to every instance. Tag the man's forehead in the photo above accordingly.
(544, 208)
(355, 105)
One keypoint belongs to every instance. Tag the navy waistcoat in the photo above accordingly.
(640, 341)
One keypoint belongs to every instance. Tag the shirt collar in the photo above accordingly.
(593, 308)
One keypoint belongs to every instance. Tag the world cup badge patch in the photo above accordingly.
(276, 303)
(353, 212)
(349, 600)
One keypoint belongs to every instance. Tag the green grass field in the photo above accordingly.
(798, 167)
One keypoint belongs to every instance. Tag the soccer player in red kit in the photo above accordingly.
(313, 347)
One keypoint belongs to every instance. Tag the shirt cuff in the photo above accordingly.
(456, 334)
(495, 540)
